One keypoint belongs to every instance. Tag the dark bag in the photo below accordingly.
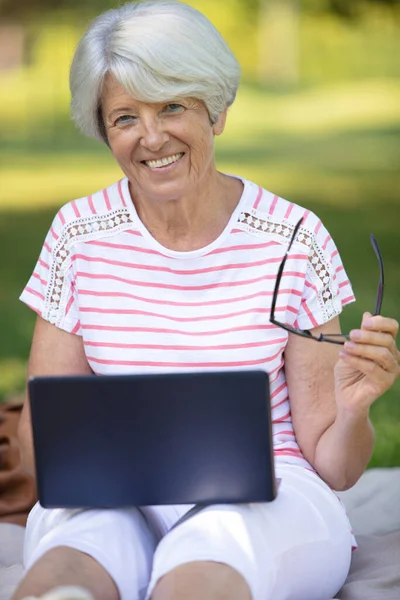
(17, 488)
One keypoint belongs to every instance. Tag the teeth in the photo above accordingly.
(163, 162)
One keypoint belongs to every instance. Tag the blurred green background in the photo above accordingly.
(317, 120)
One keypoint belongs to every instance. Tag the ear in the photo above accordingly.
(219, 126)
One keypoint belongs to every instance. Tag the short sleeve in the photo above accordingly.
(51, 290)
(327, 288)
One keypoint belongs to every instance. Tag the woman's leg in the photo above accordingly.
(65, 566)
(108, 552)
(295, 548)
(200, 580)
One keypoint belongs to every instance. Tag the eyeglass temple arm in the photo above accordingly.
(280, 271)
(275, 296)
(379, 294)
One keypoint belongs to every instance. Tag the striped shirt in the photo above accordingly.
(142, 308)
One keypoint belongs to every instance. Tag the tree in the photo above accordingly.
(278, 32)
(25, 10)
(278, 41)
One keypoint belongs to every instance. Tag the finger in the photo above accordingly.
(380, 323)
(380, 377)
(379, 355)
(375, 338)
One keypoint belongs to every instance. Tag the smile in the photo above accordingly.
(163, 162)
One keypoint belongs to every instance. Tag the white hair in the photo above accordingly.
(158, 50)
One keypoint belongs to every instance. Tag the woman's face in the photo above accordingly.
(166, 150)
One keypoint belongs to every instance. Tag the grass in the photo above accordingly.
(341, 163)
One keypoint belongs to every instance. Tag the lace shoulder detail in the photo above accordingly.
(80, 229)
(319, 269)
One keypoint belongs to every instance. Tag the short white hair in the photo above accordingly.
(158, 50)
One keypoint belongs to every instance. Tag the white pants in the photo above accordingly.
(295, 548)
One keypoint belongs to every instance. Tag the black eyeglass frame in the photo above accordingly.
(324, 337)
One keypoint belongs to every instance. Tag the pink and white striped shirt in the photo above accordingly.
(142, 308)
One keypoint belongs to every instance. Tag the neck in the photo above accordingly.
(193, 220)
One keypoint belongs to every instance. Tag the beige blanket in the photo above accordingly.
(373, 506)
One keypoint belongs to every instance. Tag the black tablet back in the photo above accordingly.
(113, 441)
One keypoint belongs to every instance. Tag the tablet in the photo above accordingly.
(136, 440)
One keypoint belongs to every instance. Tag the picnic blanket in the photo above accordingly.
(373, 506)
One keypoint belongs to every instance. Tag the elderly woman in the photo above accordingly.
(172, 269)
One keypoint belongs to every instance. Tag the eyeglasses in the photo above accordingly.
(332, 338)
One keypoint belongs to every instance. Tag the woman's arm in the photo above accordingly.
(331, 393)
(53, 352)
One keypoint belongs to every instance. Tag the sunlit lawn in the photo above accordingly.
(333, 149)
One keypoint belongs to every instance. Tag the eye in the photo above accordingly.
(123, 119)
(173, 108)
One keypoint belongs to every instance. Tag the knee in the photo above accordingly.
(199, 580)
(64, 566)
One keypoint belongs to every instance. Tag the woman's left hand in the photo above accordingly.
(368, 364)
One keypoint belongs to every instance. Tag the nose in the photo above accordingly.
(152, 135)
